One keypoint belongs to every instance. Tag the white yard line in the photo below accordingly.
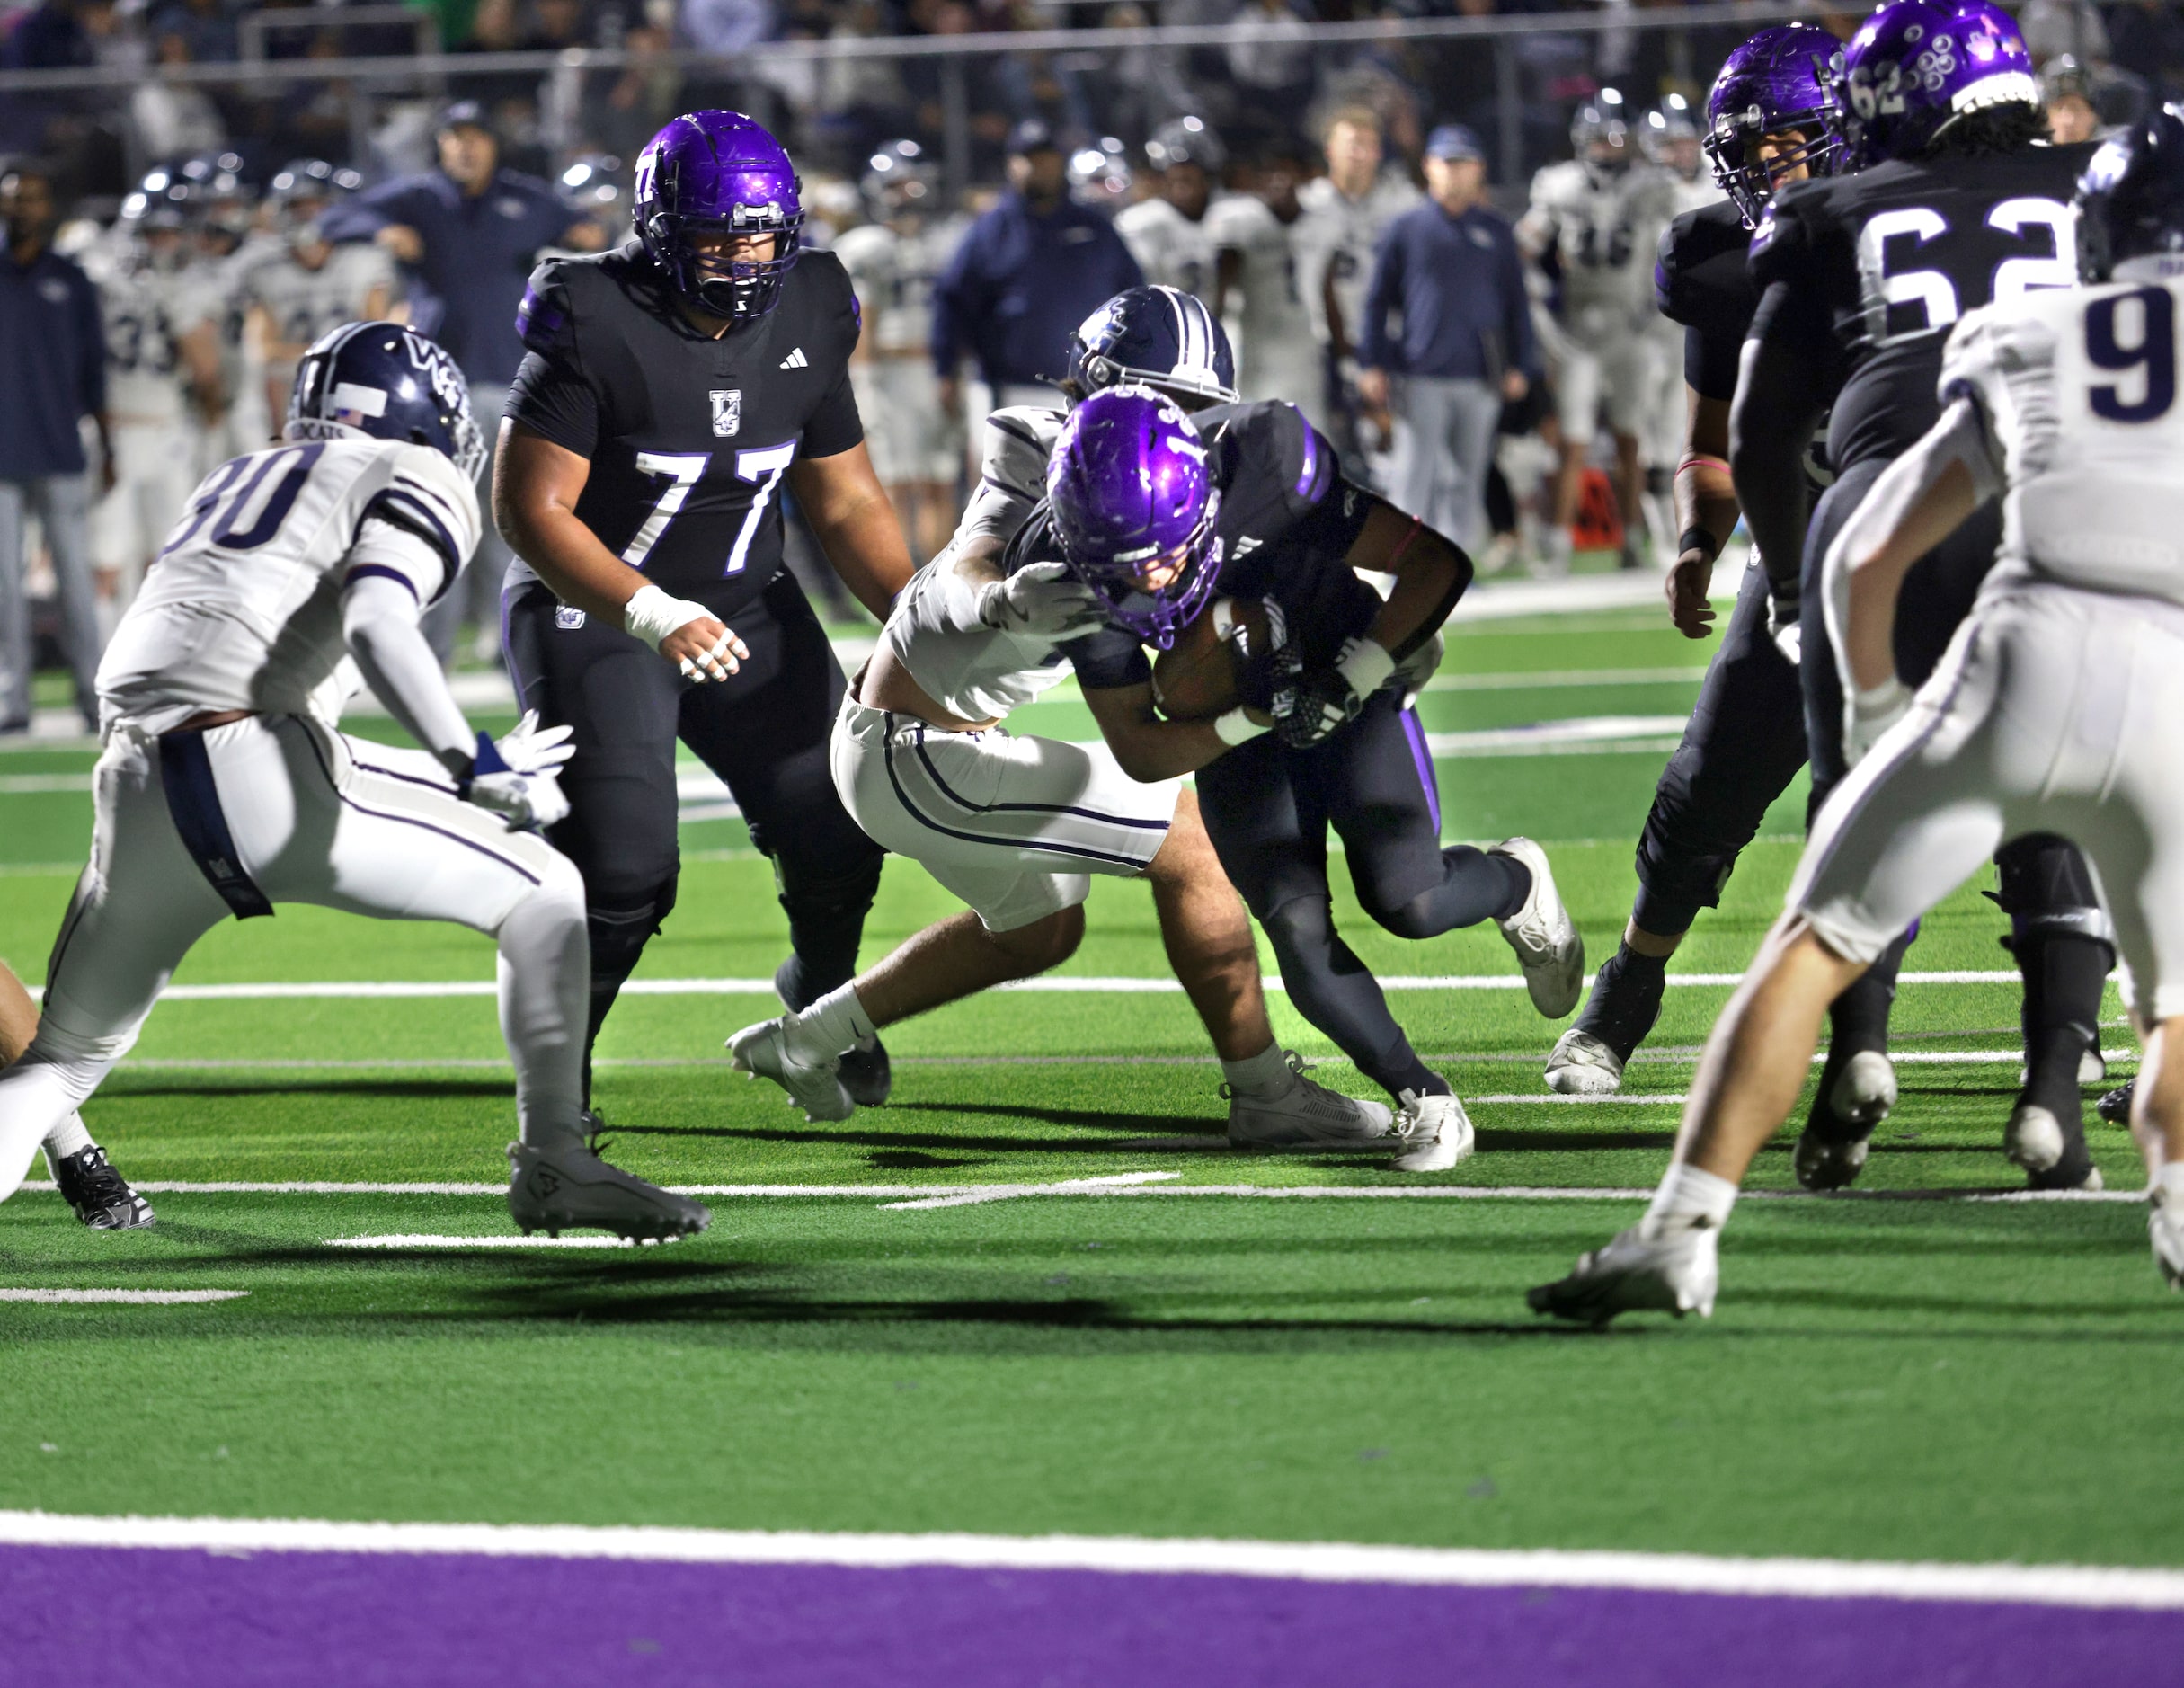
(1067, 984)
(1115, 1182)
(148, 1297)
(425, 1240)
(2076, 1585)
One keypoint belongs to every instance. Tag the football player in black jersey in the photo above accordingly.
(1283, 527)
(672, 386)
(1958, 200)
(1746, 740)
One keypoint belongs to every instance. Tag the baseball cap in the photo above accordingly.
(1031, 136)
(1454, 141)
(464, 114)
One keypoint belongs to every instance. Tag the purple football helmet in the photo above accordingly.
(1770, 85)
(1134, 509)
(1917, 66)
(718, 175)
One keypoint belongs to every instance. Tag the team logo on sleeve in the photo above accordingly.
(727, 411)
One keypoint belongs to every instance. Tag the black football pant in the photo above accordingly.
(764, 731)
(1742, 746)
(1267, 810)
(2059, 934)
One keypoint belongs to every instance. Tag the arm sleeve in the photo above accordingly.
(1375, 351)
(835, 426)
(90, 345)
(380, 607)
(1012, 475)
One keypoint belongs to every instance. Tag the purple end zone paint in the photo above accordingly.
(425, 1620)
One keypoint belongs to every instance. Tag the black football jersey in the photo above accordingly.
(1702, 281)
(1871, 270)
(1287, 520)
(689, 438)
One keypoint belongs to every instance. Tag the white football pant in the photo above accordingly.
(2056, 710)
(315, 817)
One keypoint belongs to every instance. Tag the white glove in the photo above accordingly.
(1866, 717)
(528, 749)
(520, 799)
(1043, 599)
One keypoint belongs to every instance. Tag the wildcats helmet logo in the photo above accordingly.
(727, 411)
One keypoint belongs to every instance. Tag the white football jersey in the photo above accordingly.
(1278, 356)
(304, 303)
(893, 273)
(1604, 232)
(242, 609)
(1172, 250)
(980, 674)
(1335, 238)
(147, 312)
(2079, 387)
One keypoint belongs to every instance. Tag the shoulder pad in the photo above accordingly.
(423, 491)
(1019, 443)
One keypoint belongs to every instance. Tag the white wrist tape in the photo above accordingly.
(1366, 665)
(652, 614)
(1237, 727)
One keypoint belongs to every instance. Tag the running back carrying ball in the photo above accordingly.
(1204, 673)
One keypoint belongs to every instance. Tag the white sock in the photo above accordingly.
(1689, 1197)
(2169, 1185)
(543, 986)
(837, 1023)
(1265, 1075)
(69, 1138)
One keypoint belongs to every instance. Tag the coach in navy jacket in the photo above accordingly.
(1027, 273)
(1450, 267)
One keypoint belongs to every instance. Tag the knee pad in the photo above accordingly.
(2047, 891)
(826, 915)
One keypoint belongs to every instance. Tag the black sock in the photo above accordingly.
(2065, 975)
(1857, 1019)
(1625, 1000)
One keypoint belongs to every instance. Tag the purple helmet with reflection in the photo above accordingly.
(1914, 67)
(1770, 85)
(719, 174)
(1134, 509)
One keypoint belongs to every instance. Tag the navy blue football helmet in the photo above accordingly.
(1157, 337)
(2131, 203)
(383, 381)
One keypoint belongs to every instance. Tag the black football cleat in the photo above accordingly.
(2115, 1108)
(100, 1196)
(867, 1074)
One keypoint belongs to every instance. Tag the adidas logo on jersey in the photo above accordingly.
(1245, 545)
(796, 360)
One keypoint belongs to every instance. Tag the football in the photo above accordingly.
(1199, 676)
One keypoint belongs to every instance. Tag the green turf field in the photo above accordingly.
(1884, 1378)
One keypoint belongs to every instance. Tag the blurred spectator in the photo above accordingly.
(206, 25)
(1277, 69)
(1167, 232)
(727, 26)
(1346, 212)
(50, 36)
(53, 369)
(468, 234)
(170, 118)
(2067, 93)
(2064, 26)
(624, 112)
(1450, 269)
(1027, 273)
(1277, 357)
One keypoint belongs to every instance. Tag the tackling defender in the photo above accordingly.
(1015, 824)
(1956, 200)
(2053, 710)
(224, 789)
(672, 386)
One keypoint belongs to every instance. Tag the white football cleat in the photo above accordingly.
(2165, 1230)
(1547, 942)
(1438, 1133)
(1674, 1271)
(1582, 1065)
(1306, 1116)
(813, 1080)
(1863, 1094)
(569, 1188)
